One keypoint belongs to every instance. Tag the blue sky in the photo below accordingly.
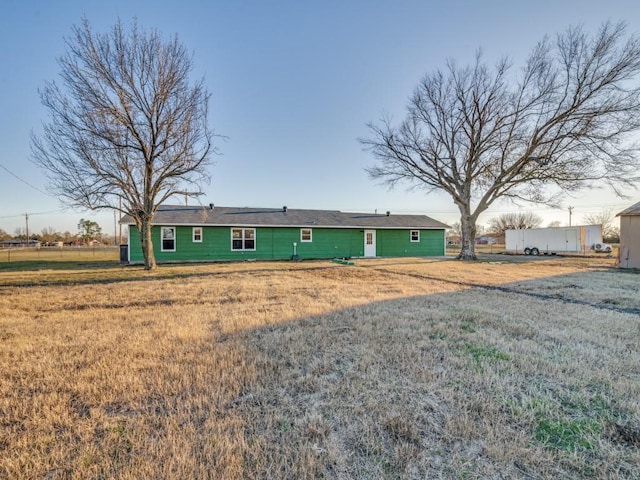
(293, 85)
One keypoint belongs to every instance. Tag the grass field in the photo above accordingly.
(395, 368)
(17, 259)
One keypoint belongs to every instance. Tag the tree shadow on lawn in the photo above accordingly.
(476, 383)
(37, 274)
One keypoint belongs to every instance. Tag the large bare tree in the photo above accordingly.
(127, 128)
(561, 123)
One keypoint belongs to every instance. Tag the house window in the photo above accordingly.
(243, 239)
(415, 235)
(197, 234)
(369, 238)
(168, 238)
(305, 234)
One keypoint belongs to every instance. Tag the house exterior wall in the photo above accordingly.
(629, 252)
(397, 243)
(277, 243)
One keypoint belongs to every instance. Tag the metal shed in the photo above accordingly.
(629, 252)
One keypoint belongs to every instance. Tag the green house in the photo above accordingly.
(183, 233)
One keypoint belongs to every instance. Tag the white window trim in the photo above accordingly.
(310, 235)
(193, 234)
(175, 234)
(411, 236)
(243, 240)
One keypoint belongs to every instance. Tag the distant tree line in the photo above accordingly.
(88, 231)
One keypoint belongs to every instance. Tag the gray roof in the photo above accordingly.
(632, 210)
(285, 217)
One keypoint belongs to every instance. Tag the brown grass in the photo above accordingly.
(399, 368)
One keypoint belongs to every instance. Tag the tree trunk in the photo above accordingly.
(147, 245)
(468, 240)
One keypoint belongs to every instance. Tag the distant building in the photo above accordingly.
(19, 244)
(488, 239)
(629, 251)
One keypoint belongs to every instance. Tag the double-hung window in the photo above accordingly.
(415, 235)
(197, 234)
(243, 239)
(305, 234)
(168, 239)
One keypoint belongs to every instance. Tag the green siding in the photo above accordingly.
(397, 243)
(277, 243)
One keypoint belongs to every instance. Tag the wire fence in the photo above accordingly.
(98, 253)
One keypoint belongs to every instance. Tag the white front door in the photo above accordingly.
(369, 243)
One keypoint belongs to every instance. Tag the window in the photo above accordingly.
(243, 239)
(369, 238)
(415, 235)
(197, 234)
(168, 239)
(305, 234)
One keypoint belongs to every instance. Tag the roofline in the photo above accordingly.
(253, 225)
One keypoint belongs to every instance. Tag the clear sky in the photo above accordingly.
(293, 85)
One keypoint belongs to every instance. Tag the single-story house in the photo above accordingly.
(629, 250)
(211, 233)
(20, 243)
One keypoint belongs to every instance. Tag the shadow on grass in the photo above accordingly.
(405, 389)
(90, 273)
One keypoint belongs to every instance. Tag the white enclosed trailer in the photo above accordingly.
(552, 240)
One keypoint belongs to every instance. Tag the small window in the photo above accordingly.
(197, 234)
(168, 239)
(305, 234)
(415, 235)
(369, 238)
(243, 239)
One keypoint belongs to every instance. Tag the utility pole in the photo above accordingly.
(26, 220)
(119, 224)
(570, 212)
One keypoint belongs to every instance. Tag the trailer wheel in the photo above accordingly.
(608, 249)
(535, 251)
(527, 251)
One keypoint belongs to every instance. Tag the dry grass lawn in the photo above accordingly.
(397, 368)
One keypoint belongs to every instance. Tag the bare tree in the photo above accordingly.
(560, 124)
(455, 229)
(511, 221)
(129, 125)
(19, 233)
(50, 234)
(606, 217)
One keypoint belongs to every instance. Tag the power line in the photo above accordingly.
(23, 180)
(36, 213)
